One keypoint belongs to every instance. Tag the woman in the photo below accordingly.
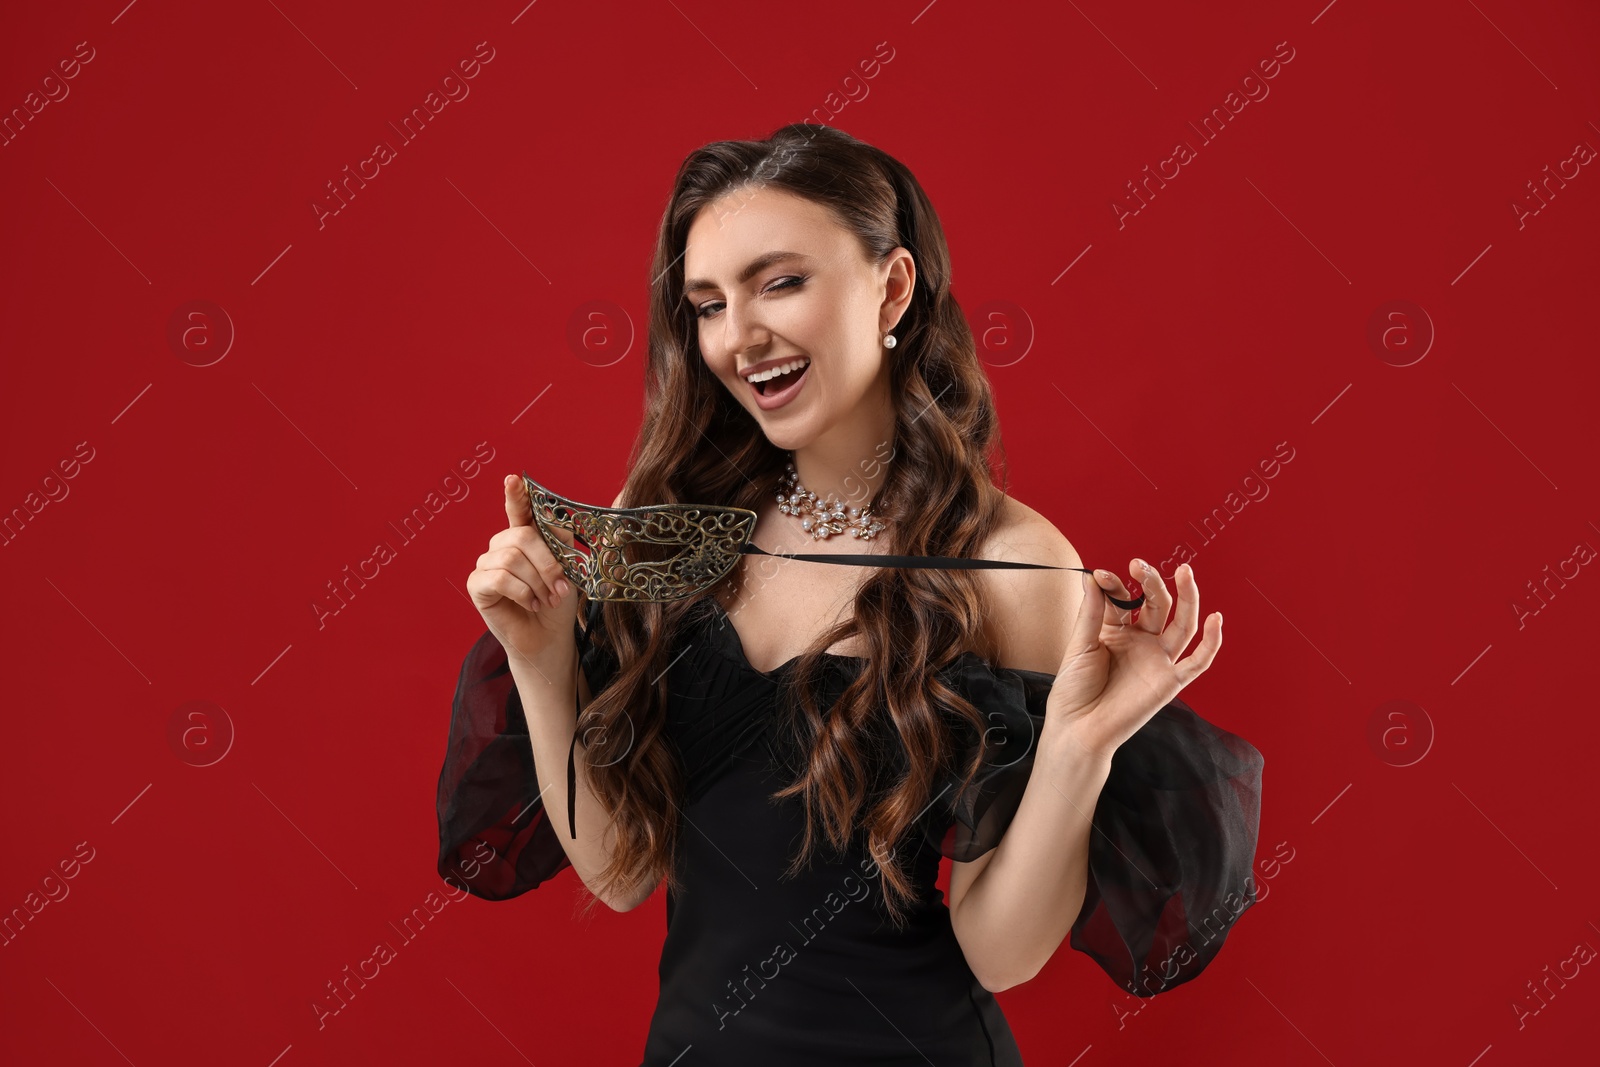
(793, 753)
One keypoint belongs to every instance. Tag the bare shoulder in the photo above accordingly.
(1030, 611)
(1020, 530)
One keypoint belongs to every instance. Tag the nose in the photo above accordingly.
(742, 327)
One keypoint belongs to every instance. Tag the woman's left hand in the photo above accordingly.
(1118, 671)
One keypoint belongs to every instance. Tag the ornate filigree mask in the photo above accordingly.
(674, 551)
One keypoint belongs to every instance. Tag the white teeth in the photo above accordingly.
(761, 376)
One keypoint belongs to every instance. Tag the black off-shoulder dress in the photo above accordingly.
(760, 969)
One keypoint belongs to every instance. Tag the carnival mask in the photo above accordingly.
(669, 552)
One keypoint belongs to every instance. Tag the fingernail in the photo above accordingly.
(562, 587)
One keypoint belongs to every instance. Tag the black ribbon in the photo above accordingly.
(749, 549)
(943, 563)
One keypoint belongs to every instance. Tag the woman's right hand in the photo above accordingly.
(519, 587)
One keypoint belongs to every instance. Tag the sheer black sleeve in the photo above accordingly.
(495, 837)
(1174, 829)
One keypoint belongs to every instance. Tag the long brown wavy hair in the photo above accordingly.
(697, 444)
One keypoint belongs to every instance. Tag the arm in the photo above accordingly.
(1017, 902)
(1012, 907)
(546, 689)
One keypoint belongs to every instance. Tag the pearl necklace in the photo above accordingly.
(823, 518)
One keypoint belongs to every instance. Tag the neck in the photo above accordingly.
(850, 462)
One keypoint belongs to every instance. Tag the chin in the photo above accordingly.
(786, 441)
(787, 438)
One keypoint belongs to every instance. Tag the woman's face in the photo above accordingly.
(823, 302)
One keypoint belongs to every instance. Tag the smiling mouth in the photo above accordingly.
(781, 382)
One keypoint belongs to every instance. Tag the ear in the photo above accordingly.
(900, 278)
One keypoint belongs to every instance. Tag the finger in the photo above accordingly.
(545, 525)
(554, 579)
(487, 587)
(1113, 615)
(551, 584)
(540, 568)
(518, 510)
(1176, 637)
(1157, 601)
(513, 559)
(1085, 633)
(531, 535)
(1195, 664)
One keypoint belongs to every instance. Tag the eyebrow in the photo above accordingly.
(754, 267)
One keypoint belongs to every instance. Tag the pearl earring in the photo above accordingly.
(889, 341)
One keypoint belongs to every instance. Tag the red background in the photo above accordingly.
(1139, 391)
